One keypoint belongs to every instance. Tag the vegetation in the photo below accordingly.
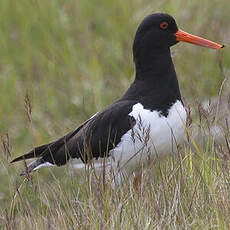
(60, 62)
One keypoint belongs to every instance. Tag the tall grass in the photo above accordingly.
(62, 61)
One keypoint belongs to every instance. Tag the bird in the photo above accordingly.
(147, 122)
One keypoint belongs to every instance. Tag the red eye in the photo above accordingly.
(164, 25)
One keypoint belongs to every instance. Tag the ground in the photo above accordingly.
(62, 61)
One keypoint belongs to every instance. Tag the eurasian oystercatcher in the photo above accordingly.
(147, 121)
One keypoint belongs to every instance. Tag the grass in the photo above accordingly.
(60, 62)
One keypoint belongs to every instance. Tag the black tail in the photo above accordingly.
(36, 152)
(56, 153)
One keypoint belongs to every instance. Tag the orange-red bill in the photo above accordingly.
(186, 37)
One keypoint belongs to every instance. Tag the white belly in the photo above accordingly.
(153, 135)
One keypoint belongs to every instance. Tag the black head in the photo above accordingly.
(156, 30)
(155, 34)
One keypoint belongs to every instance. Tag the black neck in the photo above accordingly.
(155, 85)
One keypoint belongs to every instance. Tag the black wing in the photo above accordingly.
(93, 139)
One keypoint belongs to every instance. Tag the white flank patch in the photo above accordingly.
(46, 164)
(153, 135)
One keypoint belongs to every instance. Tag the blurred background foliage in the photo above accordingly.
(73, 58)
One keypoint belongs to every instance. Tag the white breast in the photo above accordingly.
(153, 135)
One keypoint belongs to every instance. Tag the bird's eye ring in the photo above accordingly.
(164, 25)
